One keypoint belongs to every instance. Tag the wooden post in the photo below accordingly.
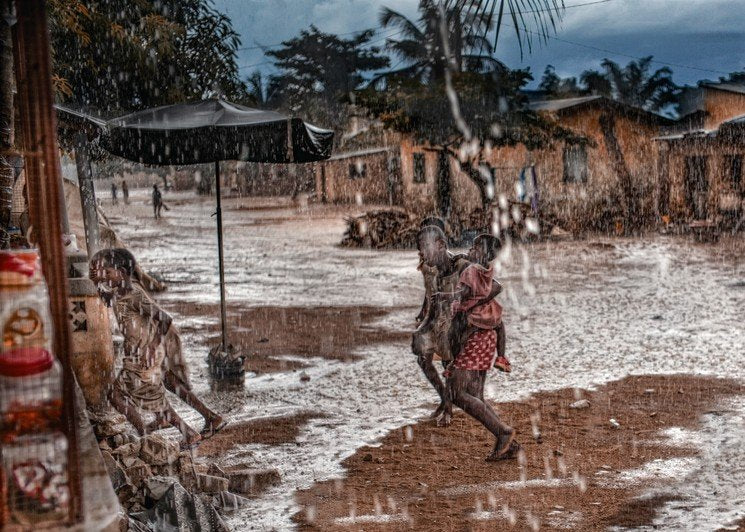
(87, 193)
(223, 313)
(44, 185)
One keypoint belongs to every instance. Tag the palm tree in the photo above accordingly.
(542, 15)
(633, 84)
(421, 46)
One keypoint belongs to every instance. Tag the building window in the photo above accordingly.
(357, 170)
(733, 170)
(419, 174)
(575, 164)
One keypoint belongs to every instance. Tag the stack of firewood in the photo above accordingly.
(381, 229)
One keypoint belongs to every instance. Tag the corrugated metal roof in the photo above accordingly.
(736, 121)
(358, 153)
(558, 105)
(739, 88)
(688, 134)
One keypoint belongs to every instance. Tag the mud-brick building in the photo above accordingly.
(572, 178)
(365, 167)
(367, 176)
(701, 158)
(576, 181)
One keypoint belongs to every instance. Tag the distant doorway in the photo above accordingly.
(697, 185)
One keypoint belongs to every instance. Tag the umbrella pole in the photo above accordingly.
(223, 320)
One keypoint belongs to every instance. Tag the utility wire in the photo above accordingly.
(540, 34)
(380, 26)
(613, 52)
(371, 42)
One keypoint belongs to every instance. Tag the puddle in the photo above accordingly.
(576, 314)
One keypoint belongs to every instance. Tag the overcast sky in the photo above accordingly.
(705, 34)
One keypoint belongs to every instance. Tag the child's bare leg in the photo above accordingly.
(501, 339)
(421, 348)
(190, 435)
(466, 386)
(127, 409)
(175, 385)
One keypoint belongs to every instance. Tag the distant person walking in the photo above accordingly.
(113, 193)
(125, 192)
(157, 201)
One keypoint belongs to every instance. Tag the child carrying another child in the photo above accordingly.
(473, 337)
(476, 313)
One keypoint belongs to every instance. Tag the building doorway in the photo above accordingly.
(697, 185)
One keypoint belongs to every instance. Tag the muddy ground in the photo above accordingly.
(270, 332)
(579, 471)
(327, 331)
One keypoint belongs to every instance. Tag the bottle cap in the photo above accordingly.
(25, 361)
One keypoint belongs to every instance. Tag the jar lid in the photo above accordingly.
(25, 361)
(24, 262)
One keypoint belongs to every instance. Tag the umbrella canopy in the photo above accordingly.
(209, 131)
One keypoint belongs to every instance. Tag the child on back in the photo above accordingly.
(479, 312)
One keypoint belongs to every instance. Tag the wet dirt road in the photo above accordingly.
(577, 313)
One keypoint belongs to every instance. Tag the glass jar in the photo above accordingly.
(19, 268)
(25, 320)
(34, 480)
(30, 393)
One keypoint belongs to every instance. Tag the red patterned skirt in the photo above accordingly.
(479, 351)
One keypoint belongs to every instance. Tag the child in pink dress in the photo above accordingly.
(473, 336)
(483, 332)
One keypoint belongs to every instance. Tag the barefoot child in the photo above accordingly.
(148, 338)
(474, 339)
(475, 285)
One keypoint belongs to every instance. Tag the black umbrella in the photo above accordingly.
(212, 131)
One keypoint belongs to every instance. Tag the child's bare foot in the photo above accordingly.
(502, 364)
(159, 423)
(444, 419)
(191, 438)
(439, 411)
(506, 448)
(212, 427)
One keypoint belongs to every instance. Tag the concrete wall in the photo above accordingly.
(420, 198)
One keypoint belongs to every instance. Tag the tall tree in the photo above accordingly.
(116, 56)
(530, 20)
(733, 77)
(422, 47)
(558, 87)
(635, 84)
(322, 64)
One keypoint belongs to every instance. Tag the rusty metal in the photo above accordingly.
(46, 202)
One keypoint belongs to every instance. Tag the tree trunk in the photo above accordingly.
(7, 174)
(630, 202)
(444, 185)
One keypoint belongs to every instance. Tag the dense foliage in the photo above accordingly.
(116, 56)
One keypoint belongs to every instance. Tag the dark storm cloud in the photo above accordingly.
(708, 34)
